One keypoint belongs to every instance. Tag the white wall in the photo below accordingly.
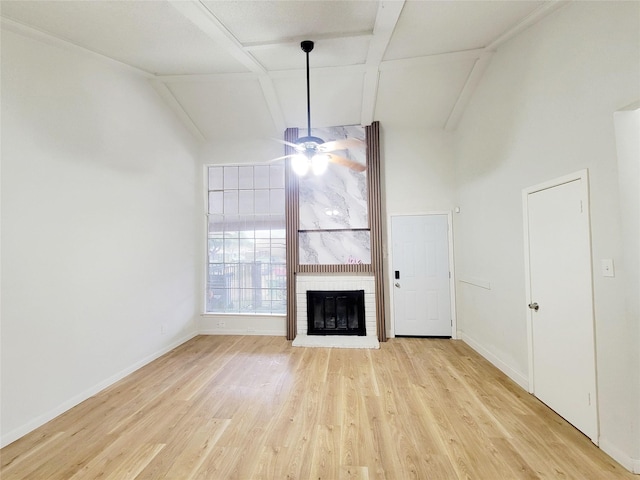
(101, 246)
(418, 172)
(544, 108)
(627, 125)
(418, 177)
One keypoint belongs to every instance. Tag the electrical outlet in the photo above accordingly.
(607, 267)
(222, 324)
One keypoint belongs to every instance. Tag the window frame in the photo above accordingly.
(275, 295)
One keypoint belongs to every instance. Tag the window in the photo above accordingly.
(246, 240)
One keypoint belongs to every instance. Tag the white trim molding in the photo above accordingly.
(517, 377)
(630, 463)
(452, 277)
(583, 177)
(40, 420)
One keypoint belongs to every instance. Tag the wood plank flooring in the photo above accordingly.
(222, 407)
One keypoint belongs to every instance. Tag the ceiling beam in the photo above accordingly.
(208, 23)
(485, 57)
(67, 45)
(467, 90)
(295, 41)
(166, 94)
(198, 14)
(534, 17)
(275, 74)
(273, 103)
(207, 77)
(319, 71)
(386, 20)
(429, 60)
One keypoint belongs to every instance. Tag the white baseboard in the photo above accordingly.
(631, 464)
(72, 402)
(514, 375)
(241, 331)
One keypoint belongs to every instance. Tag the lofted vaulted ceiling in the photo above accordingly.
(232, 67)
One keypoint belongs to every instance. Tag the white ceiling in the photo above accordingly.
(232, 67)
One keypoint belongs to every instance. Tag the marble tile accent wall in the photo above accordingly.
(336, 200)
(334, 248)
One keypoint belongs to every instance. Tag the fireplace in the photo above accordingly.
(332, 283)
(335, 312)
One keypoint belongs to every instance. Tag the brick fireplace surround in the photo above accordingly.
(364, 282)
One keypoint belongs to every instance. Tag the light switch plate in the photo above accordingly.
(607, 267)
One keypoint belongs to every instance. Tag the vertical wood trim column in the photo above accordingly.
(292, 222)
(375, 222)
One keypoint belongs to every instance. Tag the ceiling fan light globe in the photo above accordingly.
(319, 163)
(300, 164)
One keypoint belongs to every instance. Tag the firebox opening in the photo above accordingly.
(335, 312)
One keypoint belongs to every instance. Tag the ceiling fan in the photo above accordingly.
(313, 153)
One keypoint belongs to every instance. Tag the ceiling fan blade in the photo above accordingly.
(345, 162)
(282, 158)
(343, 144)
(288, 144)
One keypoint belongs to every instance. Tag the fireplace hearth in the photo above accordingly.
(335, 312)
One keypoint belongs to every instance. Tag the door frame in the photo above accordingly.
(391, 280)
(583, 176)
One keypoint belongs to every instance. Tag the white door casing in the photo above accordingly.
(422, 303)
(560, 317)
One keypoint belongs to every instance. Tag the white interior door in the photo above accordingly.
(421, 292)
(561, 309)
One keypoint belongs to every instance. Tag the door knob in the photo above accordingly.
(534, 306)
(398, 284)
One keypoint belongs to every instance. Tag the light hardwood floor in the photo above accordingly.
(223, 407)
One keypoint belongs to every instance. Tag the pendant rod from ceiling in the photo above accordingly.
(307, 46)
